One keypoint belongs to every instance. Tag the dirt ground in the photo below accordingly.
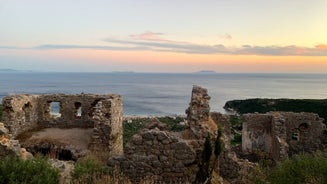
(78, 137)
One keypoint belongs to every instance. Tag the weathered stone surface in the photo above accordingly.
(10, 147)
(103, 113)
(155, 159)
(281, 134)
(198, 113)
(3, 129)
(169, 157)
(65, 168)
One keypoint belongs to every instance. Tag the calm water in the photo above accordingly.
(168, 94)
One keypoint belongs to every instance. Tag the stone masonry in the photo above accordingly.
(103, 113)
(282, 133)
(168, 157)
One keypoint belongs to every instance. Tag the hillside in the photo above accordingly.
(265, 105)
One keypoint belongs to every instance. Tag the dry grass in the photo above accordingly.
(78, 137)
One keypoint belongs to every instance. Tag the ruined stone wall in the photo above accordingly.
(282, 133)
(304, 131)
(103, 113)
(20, 113)
(108, 117)
(69, 106)
(223, 121)
(198, 113)
(256, 132)
(159, 155)
(279, 148)
(168, 157)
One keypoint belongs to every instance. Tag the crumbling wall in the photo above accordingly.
(158, 155)
(169, 157)
(198, 113)
(305, 131)
(20, 113)
(103, 113)
(10, 147)
(282, 133)
(256, 132)
(231, 168)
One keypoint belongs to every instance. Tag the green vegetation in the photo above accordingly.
(173, 123)
(266, 105)
(90, 170)
(130, 129)
(236, 124)
(137, 124)
(218, 143)
(85, 168)
(305, 168)
(207, 150)
(205, 173)
(36, 170)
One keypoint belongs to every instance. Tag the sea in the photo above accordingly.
(161, 94)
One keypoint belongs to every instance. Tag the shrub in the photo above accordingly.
(218, 143)
(130, 129)
(87, 167)
(90, 170)
(236, 124)
(304, 168)
(35, 170)
(172, 123)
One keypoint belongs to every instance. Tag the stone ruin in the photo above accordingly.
(166, 156)
(155, 153)
(281, 134)
(99, 114)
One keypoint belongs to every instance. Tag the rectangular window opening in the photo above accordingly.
(55, 110)
(78, 109)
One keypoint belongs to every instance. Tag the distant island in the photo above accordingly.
(7, 70)
(206, 72)
(10, 70)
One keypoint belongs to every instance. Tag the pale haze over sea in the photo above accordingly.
(167, 94)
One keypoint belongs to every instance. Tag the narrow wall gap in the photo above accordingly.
(295, 135)
(78, 109)
(96, 107)
(27, 111)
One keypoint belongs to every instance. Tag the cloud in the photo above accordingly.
(151, 41)
(50, 46)
(182, 47)
(186, 47)
(291, 50)
(149, 36)
(321, 46)
(191, 48)
(226, 36)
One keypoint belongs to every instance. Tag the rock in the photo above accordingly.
(25, 154)
(3, 129)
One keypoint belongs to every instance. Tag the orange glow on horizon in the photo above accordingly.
(181, 62)
(321, 46)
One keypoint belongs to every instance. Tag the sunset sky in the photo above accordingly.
(164, 36)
